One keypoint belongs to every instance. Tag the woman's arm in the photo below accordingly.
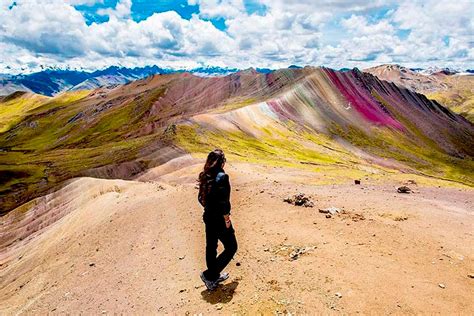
(227, 220)
(223, 196)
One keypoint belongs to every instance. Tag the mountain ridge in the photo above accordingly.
(52, 81)
(447, 86)
(303, 117)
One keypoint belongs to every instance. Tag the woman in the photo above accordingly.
(214, 195)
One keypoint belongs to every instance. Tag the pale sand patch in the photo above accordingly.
(138, 247)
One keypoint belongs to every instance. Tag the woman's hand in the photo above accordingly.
(227, 221)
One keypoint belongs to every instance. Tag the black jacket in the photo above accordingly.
(217, 202)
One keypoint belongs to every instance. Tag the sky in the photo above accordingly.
(94, 34)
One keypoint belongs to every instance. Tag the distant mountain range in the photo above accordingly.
(50, 82)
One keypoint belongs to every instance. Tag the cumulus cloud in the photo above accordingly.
(122, 9)
(360, 33)
(41, 29)
(219, 8)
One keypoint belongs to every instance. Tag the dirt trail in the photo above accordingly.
(138, 247)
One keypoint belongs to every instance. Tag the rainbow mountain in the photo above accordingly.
(342, 124)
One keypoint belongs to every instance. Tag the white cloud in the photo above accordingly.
(84, 2)
(53, 32)
(52, 27)
(122, 9)
(219, 8)
(359, 25)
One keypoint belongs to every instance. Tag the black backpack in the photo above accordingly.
(206, 188)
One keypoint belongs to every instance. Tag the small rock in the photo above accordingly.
(400, 218)
(404, 189)
(299, 200)
(219, 307)
(182, 257)
(92, 264)
(328, 216)
(330, 210)
(441, 285)
(471, 275)
(356, 181)
(339, 295)
(237, 264)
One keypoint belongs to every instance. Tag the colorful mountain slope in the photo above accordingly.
(345, 123)
(455, 91)
(331, 109)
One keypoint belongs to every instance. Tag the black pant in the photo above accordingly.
(216, 230)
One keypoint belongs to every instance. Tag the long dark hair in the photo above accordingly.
(214, 163)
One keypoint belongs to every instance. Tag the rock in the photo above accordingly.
(92, 264)
(299, 200)
(356, 181)
(441, 285)
(237, 264)
(328, 216)
(298, 251)
(219, 306)
(308, 204)
(400, 218)
(404, 189)
(411, 182)
(294, 255)
(182, 257)
(330, 210)
(339, 295)
(288, 200)
(471, 275)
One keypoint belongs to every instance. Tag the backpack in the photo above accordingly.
(206, 187)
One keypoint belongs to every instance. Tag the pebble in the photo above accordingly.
(471, 275)
(330, 210)
(339, 295)
(441, 285)
(219, 307)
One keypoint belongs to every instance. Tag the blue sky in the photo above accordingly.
(94, 34)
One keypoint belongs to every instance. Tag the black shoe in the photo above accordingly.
(224, 276)
(211, 285)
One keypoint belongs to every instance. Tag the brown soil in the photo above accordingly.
(114, 246)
